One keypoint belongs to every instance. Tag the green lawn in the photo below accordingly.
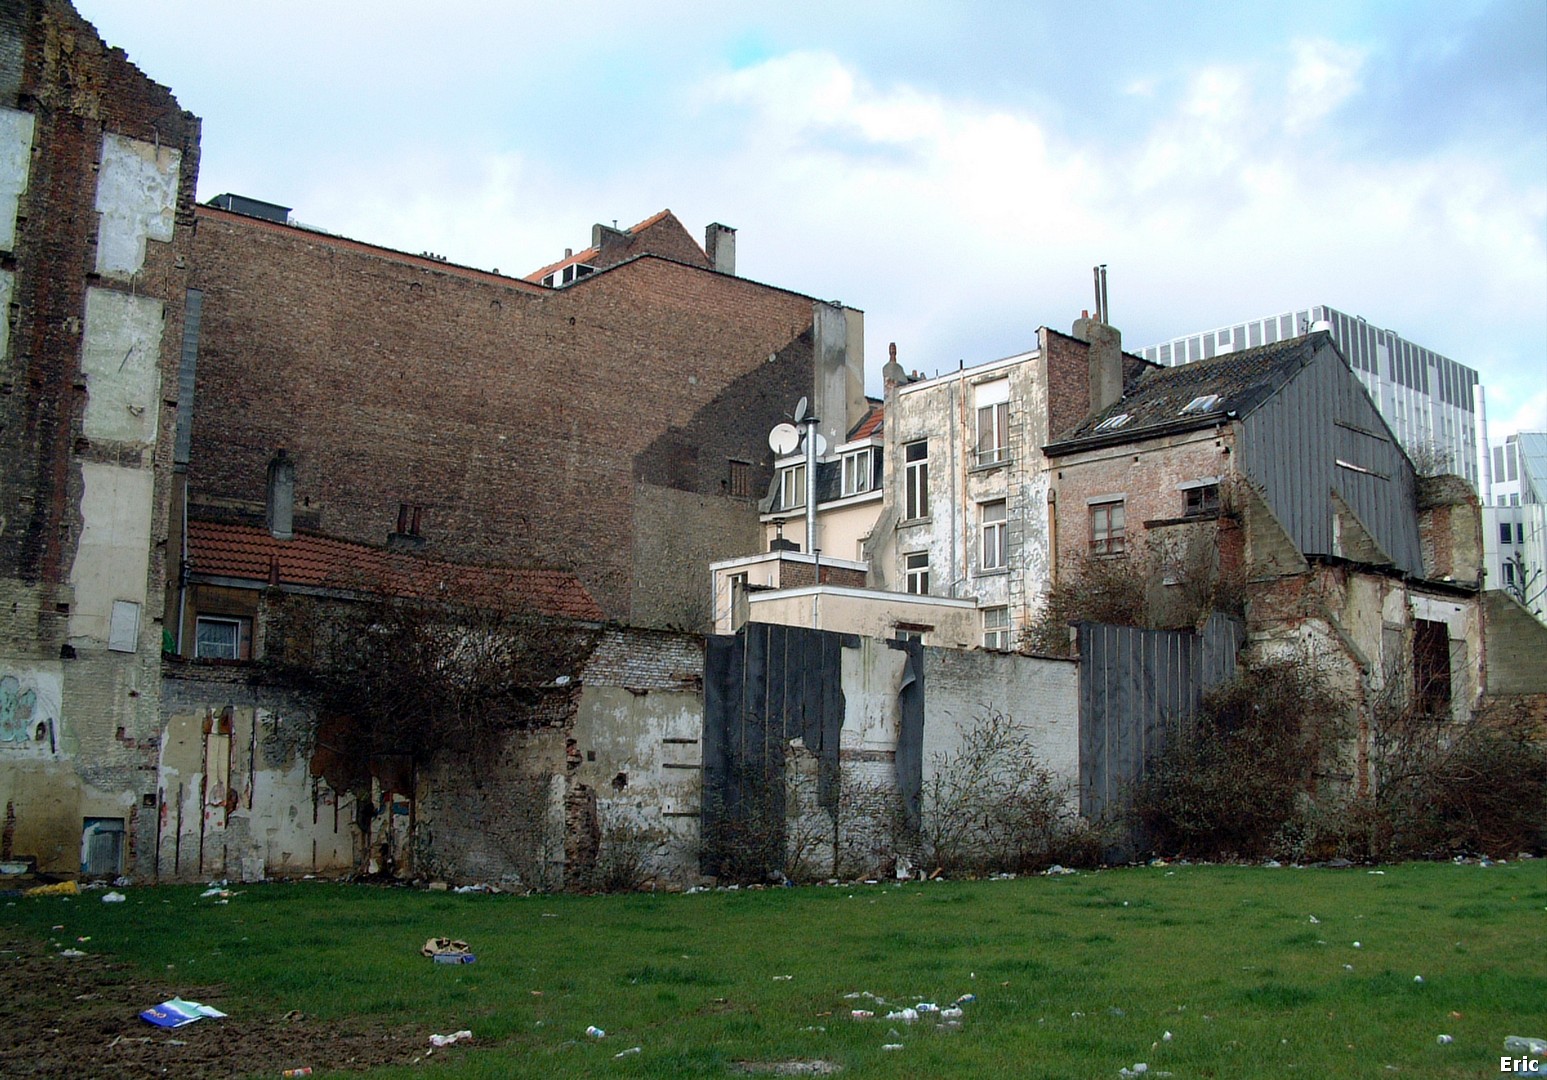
(1075, 976)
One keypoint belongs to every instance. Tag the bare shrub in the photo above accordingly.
(625, 858)
(1173, 581)
(744, 827)
(1239, 779)
(1445, 788)
(993, 805)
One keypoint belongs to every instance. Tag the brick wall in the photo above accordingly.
(76, 89)
(519, 419)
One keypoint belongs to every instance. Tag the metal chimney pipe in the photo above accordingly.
(811, 422)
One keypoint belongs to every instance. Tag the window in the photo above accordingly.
(792, 487)
(1201, 404)
(993, 405)
(1509, 574)
(216, 638)
(1112, 423)
(1431, 667)
(916, 572)
(996, 628)
(1506, 534)
(1106, 528)
(915, 458)
(858, 474)
(992, 555)
(740, 481)
(1203, 499)
(911, 635)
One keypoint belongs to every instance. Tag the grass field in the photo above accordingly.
(1075, 976)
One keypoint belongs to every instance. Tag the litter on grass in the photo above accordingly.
(595, 1032)
(62, 888)
(175, 1013)
(114, 898)
(447, 951)
(447, 1040)
(626, 1053)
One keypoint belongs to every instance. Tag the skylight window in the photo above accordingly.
(1112, 423)
(1203, 404)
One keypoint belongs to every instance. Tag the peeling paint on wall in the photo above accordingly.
(29, 711)
(7, 286)
(15, 162)
(113, 558)
(121, 358)
(136, 196)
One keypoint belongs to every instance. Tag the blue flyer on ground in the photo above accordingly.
(177, 1012)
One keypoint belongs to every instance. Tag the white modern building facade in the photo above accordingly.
(1515, 520)
(1433, 404)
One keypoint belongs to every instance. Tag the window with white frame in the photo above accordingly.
(915, 458)
(792, 487)
(915, 567)
(222, 638)
(858, 472)
(1107, 536)
(991, 554)
(993, 404)
(996, 628)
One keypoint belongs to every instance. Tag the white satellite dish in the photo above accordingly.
(821, 443)
(784, 439)
(800, 410)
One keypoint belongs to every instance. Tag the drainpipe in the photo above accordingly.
(182, 574)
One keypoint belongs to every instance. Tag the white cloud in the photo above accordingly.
(1324, 76)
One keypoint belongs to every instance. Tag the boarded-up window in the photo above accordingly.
(741, 479)
(123, 632)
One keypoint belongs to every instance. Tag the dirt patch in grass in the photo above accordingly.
(62, 1016)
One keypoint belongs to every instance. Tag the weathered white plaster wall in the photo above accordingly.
(15, 163)
(647, 772)
(121, 358)
(30, 699)
(1041, 695)
(137, 197)
(113, 558)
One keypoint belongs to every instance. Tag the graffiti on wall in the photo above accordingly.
(29, 710)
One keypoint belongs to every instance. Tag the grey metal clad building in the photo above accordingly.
(1432, 403)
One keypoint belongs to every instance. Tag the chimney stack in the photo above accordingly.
(893, 374)
(720, 246)
(1106, 347)
(279, 504)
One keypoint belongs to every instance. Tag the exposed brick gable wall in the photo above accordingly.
(519, 422)
(76, 89)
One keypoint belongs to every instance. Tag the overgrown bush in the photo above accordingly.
(1240, 778)
(1444, 788)
(994, 805)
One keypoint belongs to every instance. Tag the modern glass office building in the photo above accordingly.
(1433, 404)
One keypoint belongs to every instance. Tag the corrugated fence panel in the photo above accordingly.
(1137, 686)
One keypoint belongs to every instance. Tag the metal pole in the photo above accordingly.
(811, 422)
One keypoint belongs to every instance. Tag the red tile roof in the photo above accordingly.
(589, 254)
(871, 425)
(251, 553)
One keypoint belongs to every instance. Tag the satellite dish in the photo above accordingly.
(821, 443)
(784, 439)
(800, 410)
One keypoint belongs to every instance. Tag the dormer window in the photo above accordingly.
(792, 487)
(858, 472)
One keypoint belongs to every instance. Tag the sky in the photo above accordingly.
(953, 169)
